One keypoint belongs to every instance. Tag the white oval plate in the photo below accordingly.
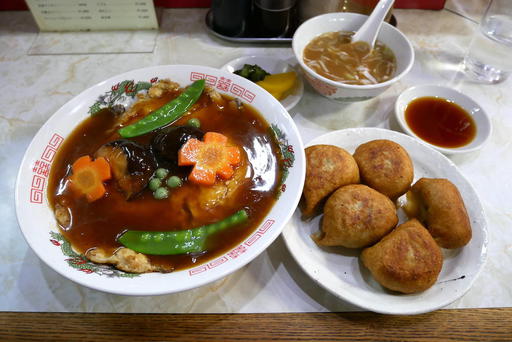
(273, 66)
(339, 270)
(37, 222)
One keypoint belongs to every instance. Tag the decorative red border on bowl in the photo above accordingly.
(41, 172)
(224, 84)
(41, 169)
(235, 252)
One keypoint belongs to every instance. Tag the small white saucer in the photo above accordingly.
(482, 121)
(274, 66)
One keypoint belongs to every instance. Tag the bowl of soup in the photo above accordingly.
(160, 180)
(342, 70)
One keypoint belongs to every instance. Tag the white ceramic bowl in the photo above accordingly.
(272, 65)
(482, 121)
(40, 229)
(341, 21)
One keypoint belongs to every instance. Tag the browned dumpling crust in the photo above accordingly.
(407, 260)
(385, 166)
(328, 167)
(356, 216)
(437, 203)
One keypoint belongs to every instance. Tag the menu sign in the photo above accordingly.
(93, 15)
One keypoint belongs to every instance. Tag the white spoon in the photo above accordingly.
(370, 29)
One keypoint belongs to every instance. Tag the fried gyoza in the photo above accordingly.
(328, 167)
(356, 216)
(385, 166)
(407, 260)
(437, 203)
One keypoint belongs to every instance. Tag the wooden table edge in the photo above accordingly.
(493, 324)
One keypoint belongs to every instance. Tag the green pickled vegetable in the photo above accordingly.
(254, 72)
(245, 72)
(166, 114)
(178, 242)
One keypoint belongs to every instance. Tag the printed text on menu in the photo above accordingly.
(85, 15)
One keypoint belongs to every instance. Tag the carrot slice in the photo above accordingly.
(211, 157)
(88, 176)
(212, 137)
(188, 153)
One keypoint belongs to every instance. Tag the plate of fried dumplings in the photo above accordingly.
(386, 222)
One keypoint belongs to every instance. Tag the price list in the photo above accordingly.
(93, 15)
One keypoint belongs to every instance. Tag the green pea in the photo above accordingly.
(161, 173)
(155, 183)
(161, 193)
(174, 182)
(194, 122)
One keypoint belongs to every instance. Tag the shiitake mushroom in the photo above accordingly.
(132, 165)
(166, 144)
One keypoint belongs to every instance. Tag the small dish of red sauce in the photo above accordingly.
(444, 118)
(440, 122)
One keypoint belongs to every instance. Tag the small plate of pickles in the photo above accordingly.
(274, 75)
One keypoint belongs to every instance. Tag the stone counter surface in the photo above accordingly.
(33, 87)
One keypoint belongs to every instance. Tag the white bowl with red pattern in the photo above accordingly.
(340, 21)
(37, 222)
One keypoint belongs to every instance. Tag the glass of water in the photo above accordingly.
(489, 58)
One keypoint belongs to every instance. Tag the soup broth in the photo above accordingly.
(97, 224)
(335, 57)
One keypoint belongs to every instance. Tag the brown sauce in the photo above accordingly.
(97, 224)
(440, 122)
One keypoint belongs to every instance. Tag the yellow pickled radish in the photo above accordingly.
(279, 85)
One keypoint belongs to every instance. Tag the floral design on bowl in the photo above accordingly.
(36, 218)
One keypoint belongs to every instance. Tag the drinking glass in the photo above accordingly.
(489, 57)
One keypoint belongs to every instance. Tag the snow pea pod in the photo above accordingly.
(166, 114)
(177, 242)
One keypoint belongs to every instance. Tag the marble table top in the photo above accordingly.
(34, 86)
